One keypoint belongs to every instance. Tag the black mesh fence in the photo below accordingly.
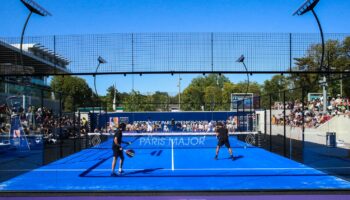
(293, 123)
(136, 53)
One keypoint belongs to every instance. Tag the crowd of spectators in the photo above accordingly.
(150, 126)
(43, 121)
(313, 112)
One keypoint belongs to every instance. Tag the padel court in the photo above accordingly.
(175, 163)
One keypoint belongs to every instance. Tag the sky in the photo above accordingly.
(126, 16)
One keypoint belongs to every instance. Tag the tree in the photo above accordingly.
(213, 98)
(161, 101)
(336, 59)
(74, 90)
(204, 91)
(192, 99)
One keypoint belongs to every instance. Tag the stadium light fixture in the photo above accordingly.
(100, 61)
(33, 7)
(308, 6)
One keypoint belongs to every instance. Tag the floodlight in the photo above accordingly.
(241, 59)
(309, 5)
(35, 8)
(101, 60)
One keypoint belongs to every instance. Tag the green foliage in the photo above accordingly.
(337, 58)
(74, 90)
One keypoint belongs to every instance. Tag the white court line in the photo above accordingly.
(179, 169)
(172, 155)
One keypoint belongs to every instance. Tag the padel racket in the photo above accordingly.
(130, 153)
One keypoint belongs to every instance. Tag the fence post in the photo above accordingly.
(74, 128)
(284, 125)
(212, 52)
(42, 136)
(60, 126)
(106, 117)
(250, 119)
(265, 121)
(92, 118)
(290, 52)
(79, 129)
(238, 119)
(270, 122)
(303, 119)
(244, 115)
(99, 117)
(42, 99)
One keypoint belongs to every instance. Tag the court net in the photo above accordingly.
(175, 140)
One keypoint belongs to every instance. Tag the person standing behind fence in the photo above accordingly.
(149, 125)
(223, 139)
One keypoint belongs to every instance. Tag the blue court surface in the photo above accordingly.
(176, 163)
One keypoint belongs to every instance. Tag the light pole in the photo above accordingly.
(33, 7)
(100, 61)
(179, 85)
(241, 60)
(309, 5)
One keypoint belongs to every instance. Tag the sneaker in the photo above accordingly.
(232, 157)
(113, 174)
(120, 172)
(216, 158)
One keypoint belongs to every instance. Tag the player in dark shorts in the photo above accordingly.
(117, 150)
(222, 136)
